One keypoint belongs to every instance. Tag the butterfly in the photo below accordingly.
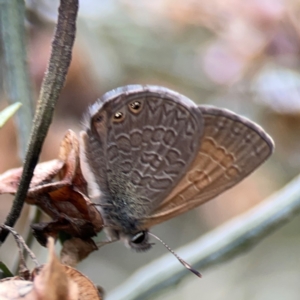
(154, 154)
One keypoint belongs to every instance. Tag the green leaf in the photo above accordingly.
(5, 270)
(6, 113)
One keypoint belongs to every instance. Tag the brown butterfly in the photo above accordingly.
(154, 154)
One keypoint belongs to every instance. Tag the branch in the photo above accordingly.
(53, 82)
(233, 238)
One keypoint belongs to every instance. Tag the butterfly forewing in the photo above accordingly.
(231, 148)
(148, 137)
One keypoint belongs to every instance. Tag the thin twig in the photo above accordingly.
(21, 244)
(221, 244)
(52, 84)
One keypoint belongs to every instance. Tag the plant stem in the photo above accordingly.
(53, 82)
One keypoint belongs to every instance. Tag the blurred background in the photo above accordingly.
(240, 55)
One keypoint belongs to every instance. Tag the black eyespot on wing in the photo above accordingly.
(135, 106)
(98, 118)
(118, 116)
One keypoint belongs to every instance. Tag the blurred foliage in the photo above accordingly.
(8, 112)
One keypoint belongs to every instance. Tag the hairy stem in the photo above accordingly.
(53, 82)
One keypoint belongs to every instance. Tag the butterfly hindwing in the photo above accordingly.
(231, 148)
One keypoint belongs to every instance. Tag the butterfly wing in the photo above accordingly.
(139, 143)
(231, 148)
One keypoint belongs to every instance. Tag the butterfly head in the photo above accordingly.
(138, 241)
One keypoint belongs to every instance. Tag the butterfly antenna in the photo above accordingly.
(184, 263)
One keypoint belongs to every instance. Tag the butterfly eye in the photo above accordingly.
(135, 106)
(139, 241)
(118, 116)
(139, 237)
